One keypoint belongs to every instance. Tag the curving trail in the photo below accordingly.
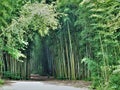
(36, 85)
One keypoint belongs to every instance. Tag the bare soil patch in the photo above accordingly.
(74, 83)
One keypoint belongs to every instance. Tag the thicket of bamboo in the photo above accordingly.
(70, 39)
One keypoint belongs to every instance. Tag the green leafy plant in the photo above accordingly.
(11, 75)
(1, 81)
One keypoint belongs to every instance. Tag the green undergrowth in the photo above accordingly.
(1, 82)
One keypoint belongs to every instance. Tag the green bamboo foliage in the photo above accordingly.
(104, 12)
(87, 37)
(36, 55)
(86, 45)
(15, 38)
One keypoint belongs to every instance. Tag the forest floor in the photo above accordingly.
(51, 80)
(74, 83)
(41, 85)
(45, 83)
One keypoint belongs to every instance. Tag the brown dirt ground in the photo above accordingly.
(75, 83)
(51, 80)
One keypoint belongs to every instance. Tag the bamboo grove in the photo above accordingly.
(68, 39)
(16, 37)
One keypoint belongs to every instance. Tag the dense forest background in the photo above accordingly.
(67, 39)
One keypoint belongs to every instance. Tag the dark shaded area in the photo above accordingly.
(40, 57)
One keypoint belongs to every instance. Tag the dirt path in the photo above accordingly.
(73, 83)
(39, 85)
